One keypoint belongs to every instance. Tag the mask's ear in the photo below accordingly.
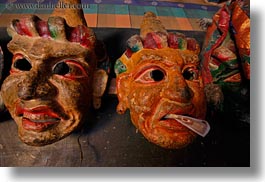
(2, 106)
(123, 88)
(214, 95)
(1, 66)
(99, 86)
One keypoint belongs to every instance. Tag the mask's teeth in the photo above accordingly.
(45, 120)
(39, 118)
(199, 126)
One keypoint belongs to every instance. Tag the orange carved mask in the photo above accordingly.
(159, 81)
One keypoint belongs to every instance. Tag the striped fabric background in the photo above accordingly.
(175, 15)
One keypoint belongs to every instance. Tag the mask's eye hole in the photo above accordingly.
(71, 69)
(150, 75)
(61, 69)
(20, 63)
(157, 75)
(191, 73)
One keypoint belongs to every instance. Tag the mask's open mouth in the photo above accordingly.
(199, 126)
(39, 125)
(38, 119)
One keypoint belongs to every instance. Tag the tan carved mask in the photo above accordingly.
(159, 81)
(51, 82)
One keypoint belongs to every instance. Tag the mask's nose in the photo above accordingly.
(35, 86)
(178, 90)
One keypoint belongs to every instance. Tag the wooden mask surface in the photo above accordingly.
(50, 86)
(159, 75)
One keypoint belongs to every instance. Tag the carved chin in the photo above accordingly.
(171, 139)
(166, 133)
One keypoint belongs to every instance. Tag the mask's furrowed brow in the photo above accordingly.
(41, 48)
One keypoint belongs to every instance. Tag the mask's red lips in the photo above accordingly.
(166, 107)
(199, 126)
(37, 119)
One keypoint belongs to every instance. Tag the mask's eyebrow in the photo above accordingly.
(189, 58)
(39, 48)
(151, 57)
(158, 56)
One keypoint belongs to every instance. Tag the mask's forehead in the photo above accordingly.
(167, 56)
(42, 48)
(170, 48)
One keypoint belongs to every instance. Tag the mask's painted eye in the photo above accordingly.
(151, 75)
(157, 75)
(69, 69)
(191, 73)
(20, 63)
(61, 69)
